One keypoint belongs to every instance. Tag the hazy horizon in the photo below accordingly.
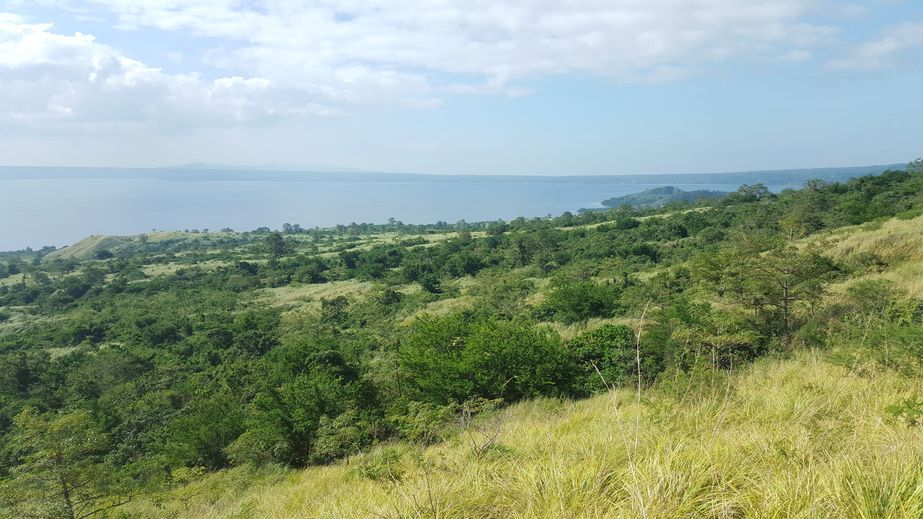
(59, 206)
(319, 168)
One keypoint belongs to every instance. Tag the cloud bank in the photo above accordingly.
(276, 59)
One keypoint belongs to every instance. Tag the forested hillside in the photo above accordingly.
(758, 354)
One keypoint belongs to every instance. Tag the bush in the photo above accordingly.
(424, 423)
(453, 358)
(612, 351)
(578, 301)
(342, 436)
(512, 360)
(909, 411)
(384, 464)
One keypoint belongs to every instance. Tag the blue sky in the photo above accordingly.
(450, 86)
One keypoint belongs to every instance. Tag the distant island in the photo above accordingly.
(661, 196)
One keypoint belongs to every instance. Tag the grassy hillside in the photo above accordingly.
(891, 249)
(756, 355)
(800, 437)
(812, 435)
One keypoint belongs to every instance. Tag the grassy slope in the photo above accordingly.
(87, 247)
(798, 437)
(898, 242)
(783, 438)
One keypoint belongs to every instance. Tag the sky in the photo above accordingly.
(462, 86)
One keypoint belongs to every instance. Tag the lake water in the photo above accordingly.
(58, 211)
(58, 206)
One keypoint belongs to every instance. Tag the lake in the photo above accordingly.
(56, 207)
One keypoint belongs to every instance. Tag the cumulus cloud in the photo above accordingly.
(290, 58)
(48, 78)
(885, 50)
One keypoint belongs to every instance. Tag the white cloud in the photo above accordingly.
(48, 78)
(886, 50)
(289, 58)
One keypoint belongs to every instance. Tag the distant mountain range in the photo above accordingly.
(263, 167)
(661, 196)
(210, 172)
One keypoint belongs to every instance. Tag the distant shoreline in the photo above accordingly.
(782, 176)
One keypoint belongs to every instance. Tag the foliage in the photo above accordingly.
(910, 411)
(576, 301)
(450, 359)
(61, 473)
(772, 284)
(605, 358)
(175, 359)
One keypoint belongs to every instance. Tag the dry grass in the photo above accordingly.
(12, 280)
(639, 218)
(569, 331)
(292, 296)
(795, 438)
(55, 353)
(667, 215)
(907, 276)
(442, 307)
(389, 238)
(167, 269)
(895, 241)
(440, 237)
(898, 242)
(87, 247)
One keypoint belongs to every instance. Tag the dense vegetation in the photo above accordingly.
(661, 196)
(130, 367)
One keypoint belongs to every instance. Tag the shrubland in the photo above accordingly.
(754, 355)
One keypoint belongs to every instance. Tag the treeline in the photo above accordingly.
(114, 382)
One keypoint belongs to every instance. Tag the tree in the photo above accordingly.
(748, 193)
(574, 301)
(608, 354)
(334, 310)
(697, 329)
(452, 358)
(915, 166)
(203, 431)
(514, 360)
(61, 474)
(773, 284)
(275, 244)
(808, 211)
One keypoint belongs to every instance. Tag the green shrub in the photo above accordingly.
(384, 464)
(909, 411)
(453, 358)
(609, 353)
(342, 436)
(577, 301)
(421, 422)
(909, 215)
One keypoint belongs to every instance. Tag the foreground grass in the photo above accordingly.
(783, 438)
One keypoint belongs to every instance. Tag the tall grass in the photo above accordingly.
(783, 438)
(899, 243)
